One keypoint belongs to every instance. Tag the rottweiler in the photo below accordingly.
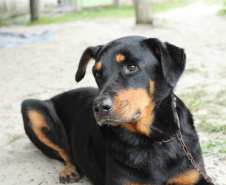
(125, 131)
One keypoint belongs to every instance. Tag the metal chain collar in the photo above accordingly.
(185, 149)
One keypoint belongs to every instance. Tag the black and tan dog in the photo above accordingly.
(113, 134)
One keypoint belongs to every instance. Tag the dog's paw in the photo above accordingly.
(69, 174)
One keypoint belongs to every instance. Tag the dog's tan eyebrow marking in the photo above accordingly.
(98, 66)
(157, 52)
(152, 87)
(120, 57)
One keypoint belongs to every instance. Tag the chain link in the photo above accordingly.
(170, 139)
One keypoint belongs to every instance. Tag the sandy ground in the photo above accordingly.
(44, 69)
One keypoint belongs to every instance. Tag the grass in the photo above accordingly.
(14, 137)
(191, 70)
(195, 99)
(217, 148)
(123, 12)
(210, 127)
(208, 108)
(221, 98)
(170, 5)
(222, 11)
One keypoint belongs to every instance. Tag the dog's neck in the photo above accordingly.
(124, 146)
(165, 121)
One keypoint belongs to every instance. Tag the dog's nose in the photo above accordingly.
(102, 105)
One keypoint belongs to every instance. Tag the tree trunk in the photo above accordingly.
(34, 9)
(144, 11)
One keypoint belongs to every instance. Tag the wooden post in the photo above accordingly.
(144, 11)
(117, 3)
(34, 9)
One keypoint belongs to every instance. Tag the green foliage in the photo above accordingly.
(222, 12)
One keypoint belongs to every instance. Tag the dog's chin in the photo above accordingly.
(108, 122)
(115, 122)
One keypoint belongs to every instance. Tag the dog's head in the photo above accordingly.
(133, 74)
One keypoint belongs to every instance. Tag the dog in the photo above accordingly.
(125, 132)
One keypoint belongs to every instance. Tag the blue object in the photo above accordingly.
(62, 5)
(10, 40)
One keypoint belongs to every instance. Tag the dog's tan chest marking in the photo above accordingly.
(120, 58)
(132, 183)
(189, 178)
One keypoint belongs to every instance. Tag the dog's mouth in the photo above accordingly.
(114, 121)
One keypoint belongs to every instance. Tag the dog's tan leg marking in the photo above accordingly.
(38, 121)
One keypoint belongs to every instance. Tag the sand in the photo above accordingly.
(44, 69)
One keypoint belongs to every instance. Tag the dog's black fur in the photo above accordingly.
(112, 134)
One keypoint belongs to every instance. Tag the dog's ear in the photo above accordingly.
(88, 54)
(172, 59)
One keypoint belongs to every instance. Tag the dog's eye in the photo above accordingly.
(131, 68)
